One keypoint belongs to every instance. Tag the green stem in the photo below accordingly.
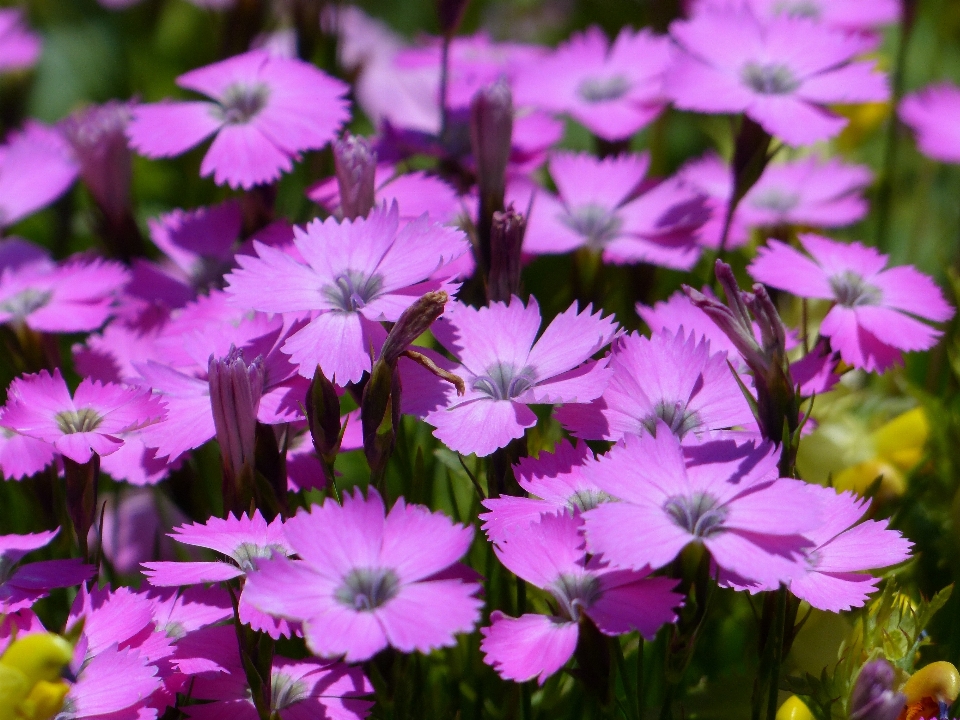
(885, 190)
(629, 688)
(777, 638)
(640, 688)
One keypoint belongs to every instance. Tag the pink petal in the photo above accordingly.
(481, 426)
(425, 616)
(531, 646)
(171, 128)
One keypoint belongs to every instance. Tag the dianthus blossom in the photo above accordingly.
(91, 421)
(781, 72)
(873, 317)
(367, 579)
(506, 368)
(266, 110)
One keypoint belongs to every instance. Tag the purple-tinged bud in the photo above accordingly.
(751, 155)
(414, 321)
(491, 134)
(355, 161)
(873, 696)
(777, 407)
(98, 136)
(235, 391)
(323, 414)
(506, 242)
(450, 15)
(379, 417)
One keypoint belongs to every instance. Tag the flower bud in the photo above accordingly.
(873, 696)
(491, 131)
(506, 242)
(323, 414)
(380, 416)
(794, 708)
(777, 405)
(450, 14)
(414, 321)
(235, 390)
(355, 162)
(97, 135)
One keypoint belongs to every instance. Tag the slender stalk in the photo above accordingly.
(777, 637)
(629, 689)
(885, 189)
(640, 688)
(444, 79)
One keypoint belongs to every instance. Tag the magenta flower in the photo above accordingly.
(781, 73)
(555, 484)
(601, 206)
(92, 421)
(848, 15)
(23, 585)
(834, 579)
(36, 167)
(800, 192)
(244, 541)
(266, 111)
(22, 456)
(613, 90)
(550, 555)
(299, 689)
(872, 318)
(506, 368)
(366, 581)
(723, 495)
(932, 113)
(199, 243)
(19, 47)
(352, 275)
(670, 377)
(75, 296)
(135, 523)
(117, 655)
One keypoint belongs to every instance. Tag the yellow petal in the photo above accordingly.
(901, 441)
(860, 476)
(794, 709)
(939, 681)
(44, 701)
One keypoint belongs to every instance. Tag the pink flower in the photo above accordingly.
(366, 581)
(19, 48)
(555, 484)
(601, 206)
(550, 555)
(298, 689)
(23, 585)
(506, 368)
(245, 541)
(613, 90)
(932, 114)
(833, 577)
(75, 296)
(22, 456)
(40, 406)
(670, 377)
(267, 110)
(872, 318)
(36, 167)
(781, 73)
(720, 494)
(117, 655)
(351, 275)
(848, 15)
(801, 192)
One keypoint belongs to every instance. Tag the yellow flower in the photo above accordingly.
(931, 690)
(31, 687)
(794, 709)
(897, 446)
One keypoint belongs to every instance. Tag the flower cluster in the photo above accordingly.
(478, 323)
